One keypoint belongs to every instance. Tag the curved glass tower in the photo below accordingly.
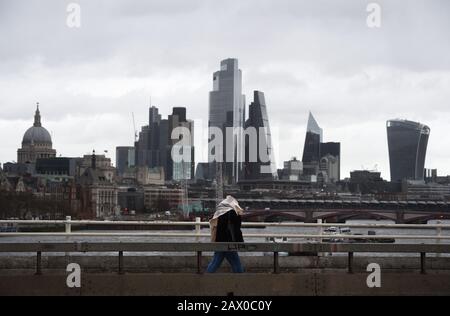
(311, 149)
(407, 142)
(263, 167)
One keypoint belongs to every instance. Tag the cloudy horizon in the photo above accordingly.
(317, 56)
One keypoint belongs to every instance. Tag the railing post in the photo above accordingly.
(68, 224)
(199, 262)
(68, 231)
(319, 222)
(320, 232)
(423, 257)
(38, 263)
(121, 262)
(350, 262)
(439, 234)
(276, 264)
(197, 228)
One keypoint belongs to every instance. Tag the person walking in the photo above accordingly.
(226, 227)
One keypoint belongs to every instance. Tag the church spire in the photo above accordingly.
(37, 116)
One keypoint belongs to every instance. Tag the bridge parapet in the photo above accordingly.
(199, 247)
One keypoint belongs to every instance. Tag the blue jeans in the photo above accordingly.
(232, 258)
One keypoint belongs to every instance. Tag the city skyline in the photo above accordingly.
(332, 148)
(351, 83)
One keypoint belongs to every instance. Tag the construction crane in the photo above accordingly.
(134, 127)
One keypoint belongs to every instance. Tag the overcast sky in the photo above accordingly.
(304, 55)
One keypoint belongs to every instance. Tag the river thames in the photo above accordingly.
(266, 230)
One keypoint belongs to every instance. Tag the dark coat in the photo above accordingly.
(229, 228)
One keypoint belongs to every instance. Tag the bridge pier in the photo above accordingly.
(309, 216)
(400, 217)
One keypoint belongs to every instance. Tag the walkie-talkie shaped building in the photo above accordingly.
(407, 142)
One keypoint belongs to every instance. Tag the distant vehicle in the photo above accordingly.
(345, 230)
(127, 211)
(331, 230)
(336, 231)
(374, 240)
(276, 240)
(8, 228)
(167, 213)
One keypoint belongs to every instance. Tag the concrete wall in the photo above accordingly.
(248, 284)
(176, 275)
(157, 264)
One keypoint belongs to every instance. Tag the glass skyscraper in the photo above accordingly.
(264, 166)
(314, 135)
(311, 149)
(227, 109)
(407, 142)
(124, 158)
(317, 155)
(154, 147)
(182, 170)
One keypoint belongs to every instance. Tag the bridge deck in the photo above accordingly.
(180, 284)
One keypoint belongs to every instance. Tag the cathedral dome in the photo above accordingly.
(37, 134)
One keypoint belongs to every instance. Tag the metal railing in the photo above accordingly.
(69, 223)
(199, 248)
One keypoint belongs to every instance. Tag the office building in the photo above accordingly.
(227, 109)
(292, 170)
(155, 145)
(407, 143)
(319, 158)
(60, 166)
(259, 160)
(125, 158)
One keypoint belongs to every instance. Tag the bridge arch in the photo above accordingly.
(271, 216)
(284, 216)
(423, 219)
(341, 216)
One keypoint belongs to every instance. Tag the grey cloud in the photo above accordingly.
(305, 55)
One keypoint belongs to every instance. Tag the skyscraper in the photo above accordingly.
(227, 109)
(407, 142)
(320, 158)
(311, 149)
(260, 148)
(125, 158)
(332, 149)
(182, 170)
(148, 146)
(154, 147)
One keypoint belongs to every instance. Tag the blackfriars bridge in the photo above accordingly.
(312, 210)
